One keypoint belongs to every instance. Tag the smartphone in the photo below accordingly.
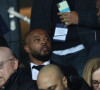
(63, 7)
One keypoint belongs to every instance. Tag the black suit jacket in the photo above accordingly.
(75, 82)
(17, 81)
(68, 70)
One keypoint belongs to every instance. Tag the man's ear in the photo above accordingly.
(26, 48)
(65, 82)
(15, 63)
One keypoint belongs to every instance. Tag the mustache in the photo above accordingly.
(45, 46)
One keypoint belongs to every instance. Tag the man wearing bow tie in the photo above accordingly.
(38, 47)
(80, 35)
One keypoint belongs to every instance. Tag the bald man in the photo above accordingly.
(8, 64)
(10, 77)
(51, 77)
(38, 47)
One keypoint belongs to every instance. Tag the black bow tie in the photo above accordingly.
(37, 67)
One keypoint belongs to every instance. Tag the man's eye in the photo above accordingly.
(37, 39)
(47, 39)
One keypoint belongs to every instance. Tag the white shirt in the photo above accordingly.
(35, 71)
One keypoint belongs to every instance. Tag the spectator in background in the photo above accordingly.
(11, 78)
(82, 25)
(38, 47)
(91, 73)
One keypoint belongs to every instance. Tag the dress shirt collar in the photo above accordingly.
(45, 63)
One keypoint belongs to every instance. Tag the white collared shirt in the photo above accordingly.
(35, 71)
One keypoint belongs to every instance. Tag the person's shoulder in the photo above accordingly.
(27, 84)
(24, 82)
(67, 70)
(84, 85)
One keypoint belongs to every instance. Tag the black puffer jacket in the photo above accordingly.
(17, 81)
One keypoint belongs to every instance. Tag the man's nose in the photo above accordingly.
(43, 41)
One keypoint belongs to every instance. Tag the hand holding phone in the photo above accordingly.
(63, 7)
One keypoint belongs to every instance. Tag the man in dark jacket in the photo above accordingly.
(38, 47)
(82, 25)
(11, 78)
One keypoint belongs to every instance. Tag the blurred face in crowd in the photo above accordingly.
(8, 64)
(50, 81)
(96, 80)
(38, 45)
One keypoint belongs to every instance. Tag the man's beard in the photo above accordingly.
(40, 57)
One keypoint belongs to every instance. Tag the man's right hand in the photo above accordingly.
(70, 17)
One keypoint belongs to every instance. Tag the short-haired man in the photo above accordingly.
(10, 77)
(38, 47)
(51, 77)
